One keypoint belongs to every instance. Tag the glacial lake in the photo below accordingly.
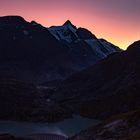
(67, 127)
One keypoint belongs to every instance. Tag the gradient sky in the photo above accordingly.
(118, 21)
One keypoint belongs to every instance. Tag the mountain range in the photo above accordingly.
(50, 74)
(109, 91)
(109, 87)
(32, 53)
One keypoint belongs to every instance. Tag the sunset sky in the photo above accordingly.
(117, 21)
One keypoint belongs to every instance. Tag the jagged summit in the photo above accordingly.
(69, 23)
(12, 19)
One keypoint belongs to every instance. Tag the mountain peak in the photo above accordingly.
(134, 49)
(69, 23)
(135, 44)
(12, 19)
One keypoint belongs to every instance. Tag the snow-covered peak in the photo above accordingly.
(70, 35)
(69, 24)
(101, 47)
(66, 32)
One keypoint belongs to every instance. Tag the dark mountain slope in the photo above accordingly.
(22, 101)
(109, 87)
(30, 52)
(26, 50)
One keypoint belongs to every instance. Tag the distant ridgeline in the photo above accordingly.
(33, 53)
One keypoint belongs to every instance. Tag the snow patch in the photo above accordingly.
(96, 47)
(64, 32)
(108, 46)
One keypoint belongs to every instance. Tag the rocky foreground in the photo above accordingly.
(11, 137)
(121, 127)
(22, 101)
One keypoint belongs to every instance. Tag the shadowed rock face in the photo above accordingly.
(109, 87)
(17, 99)
(30, 52)
(85, 34)
(22, 101)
